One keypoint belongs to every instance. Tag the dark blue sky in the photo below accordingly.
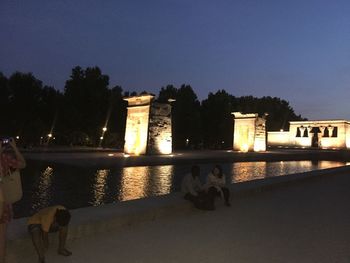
(297, 50)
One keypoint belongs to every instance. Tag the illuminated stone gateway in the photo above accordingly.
(148, 126)
(249, 132)
(325, 134)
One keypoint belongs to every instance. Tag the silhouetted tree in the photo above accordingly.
(169, 92)
(217, 121)
(116, 118)
(186, 115)
(86, 103)
(279, 111)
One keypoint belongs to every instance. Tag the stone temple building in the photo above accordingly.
(249, 132)
(324, 134)
(148, 126)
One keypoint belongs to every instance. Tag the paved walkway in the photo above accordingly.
(308, 222)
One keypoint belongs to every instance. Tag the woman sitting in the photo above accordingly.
(216, 185)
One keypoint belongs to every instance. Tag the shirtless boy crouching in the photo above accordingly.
(49, 220)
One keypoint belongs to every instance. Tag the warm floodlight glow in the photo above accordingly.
(136, 131)
(259, 146)
(110, 154)
(165, 147)
(244, 147)
(49, 135)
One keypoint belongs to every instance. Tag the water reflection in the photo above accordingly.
(143, 181)
(327, 164)
(246, 171)
(134, 181)
(161, 180)
(42, 195)
(79, 187)
(99, 188)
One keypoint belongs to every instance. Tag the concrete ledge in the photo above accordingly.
(111, 217)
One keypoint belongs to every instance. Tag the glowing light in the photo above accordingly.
(259, 146)
(17, 137)
(281, 130)
(104, 129)
(126, 155)
(101, 138)
(49, 135)
(244, 147)
(110, 154)
(165, 147)
(136, 132)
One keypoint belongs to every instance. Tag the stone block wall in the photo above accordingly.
(160, 129)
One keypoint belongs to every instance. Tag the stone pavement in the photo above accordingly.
(307, 222)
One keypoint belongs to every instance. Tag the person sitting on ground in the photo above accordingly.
(215, 185)
(194, 191)
(49, 220)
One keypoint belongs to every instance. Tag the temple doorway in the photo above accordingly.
(315, 141)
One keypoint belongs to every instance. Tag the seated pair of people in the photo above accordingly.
(48, 220)
(203, 196)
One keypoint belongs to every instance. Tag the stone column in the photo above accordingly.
(322, 128)
(330, 130)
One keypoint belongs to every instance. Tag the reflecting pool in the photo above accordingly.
(75, 187)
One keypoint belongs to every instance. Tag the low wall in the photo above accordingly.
(278, 138)
(112, 217)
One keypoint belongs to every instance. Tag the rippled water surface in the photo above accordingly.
(74, 187)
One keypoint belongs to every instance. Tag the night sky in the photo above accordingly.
(297, 50)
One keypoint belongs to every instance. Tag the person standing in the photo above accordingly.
(216, 185)
(10, 159)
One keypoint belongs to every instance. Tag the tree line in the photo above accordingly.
(41, 115)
